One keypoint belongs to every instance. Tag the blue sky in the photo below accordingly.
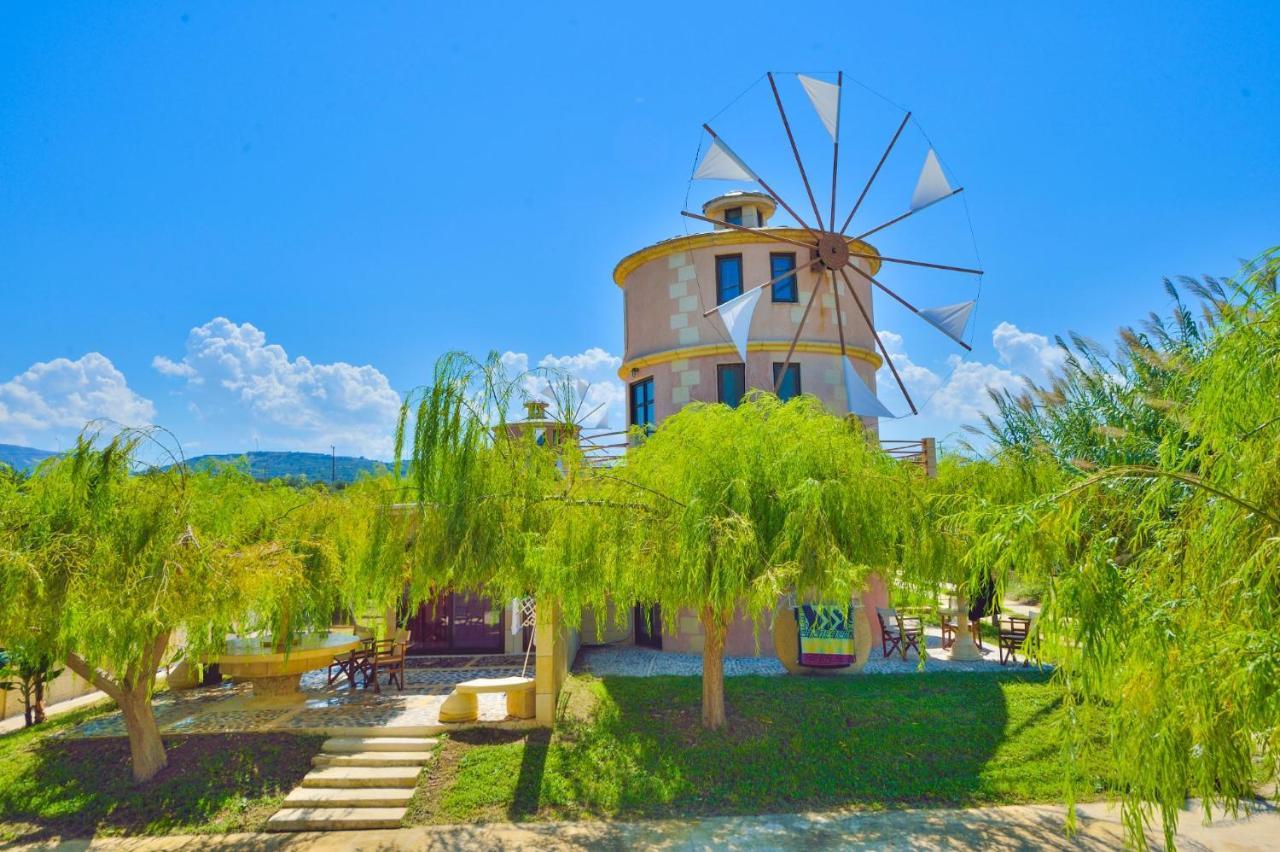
(257, 224)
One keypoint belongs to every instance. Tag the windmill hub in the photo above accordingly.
(833, 251)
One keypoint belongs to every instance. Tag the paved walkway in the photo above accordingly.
(1009, 828)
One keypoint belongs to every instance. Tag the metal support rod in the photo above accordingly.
(777, 380)
(916, 263)
(906, 215)
(872, 179)
(835, 292)
(761, 231)
(768, 283)
(769, 190)
(786, 125)
(871, 326)
(902, 301)
(835, 151)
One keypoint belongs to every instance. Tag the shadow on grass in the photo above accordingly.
(214, 782)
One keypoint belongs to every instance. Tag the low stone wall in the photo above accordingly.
(555, 649)
(64, 687)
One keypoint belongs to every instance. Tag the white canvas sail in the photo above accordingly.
(950, 319)
(736, 315)
(825, 98)
(860, 399)
(720, 163)
(932, 185)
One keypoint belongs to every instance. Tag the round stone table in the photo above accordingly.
(274, 672)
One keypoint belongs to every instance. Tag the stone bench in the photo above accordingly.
(461, 705)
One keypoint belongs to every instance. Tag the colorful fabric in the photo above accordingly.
(826, 636)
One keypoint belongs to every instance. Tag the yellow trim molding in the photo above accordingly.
(725, 237)
(708, 350)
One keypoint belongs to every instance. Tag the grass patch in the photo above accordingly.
(52, 786)
(792, 744)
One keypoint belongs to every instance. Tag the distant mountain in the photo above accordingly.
(316, 467)
(22, 458)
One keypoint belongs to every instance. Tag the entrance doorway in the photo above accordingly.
(457, 622)
(649, 626)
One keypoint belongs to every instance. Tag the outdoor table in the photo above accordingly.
(963, 648)
(274, 672)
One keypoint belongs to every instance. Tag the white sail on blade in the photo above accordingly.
(825, 98)
(858, 396)
(950, 319)
(932, 185)
(720, 163)
(736, 315)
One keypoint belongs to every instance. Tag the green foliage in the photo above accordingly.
(738, 506)
(27, 670)
(1161, 549)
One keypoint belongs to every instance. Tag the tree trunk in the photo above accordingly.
(132, 694)
(714, 628)
(145, 746)
(37, 711)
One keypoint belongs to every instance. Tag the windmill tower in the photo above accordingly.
(787, 308)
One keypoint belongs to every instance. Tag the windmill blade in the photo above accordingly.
(715, 138)
(932, 184)
(904, 260)
(901, 300)
(795, 150)
(880, 343)
(950, 319)
(720, 163)
(736, 315)
(769, 283)
(859, 398)
(896, 219)
(876, 171)
(825, 98)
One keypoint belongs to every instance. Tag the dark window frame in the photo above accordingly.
(795, 280)
(721, 258)
(721, 369)
(732, 219)
(647, 404)
(777, 368)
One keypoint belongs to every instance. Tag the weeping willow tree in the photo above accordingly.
(743, 505)
(1161, 551)
(114, 559)
(477, 504)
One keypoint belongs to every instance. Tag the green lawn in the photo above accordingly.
(633, 747)
(56, 787)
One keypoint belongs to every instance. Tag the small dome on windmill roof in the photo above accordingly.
(740, 207)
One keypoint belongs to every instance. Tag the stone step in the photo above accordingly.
(349, 797)
(362, 776)
(334, 819)
(334, 745)
(372, 758)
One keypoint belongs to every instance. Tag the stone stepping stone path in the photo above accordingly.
(356, 783)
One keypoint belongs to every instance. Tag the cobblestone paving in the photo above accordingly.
(234, 707)
(630, 661)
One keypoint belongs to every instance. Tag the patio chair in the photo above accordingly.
(1013, 636)
(349, 663)
(898, 632)
(388, 655)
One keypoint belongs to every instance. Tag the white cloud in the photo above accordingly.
(1026, 351)
(53, 400)
(238, 378)
(962, 396)
(593, 359)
